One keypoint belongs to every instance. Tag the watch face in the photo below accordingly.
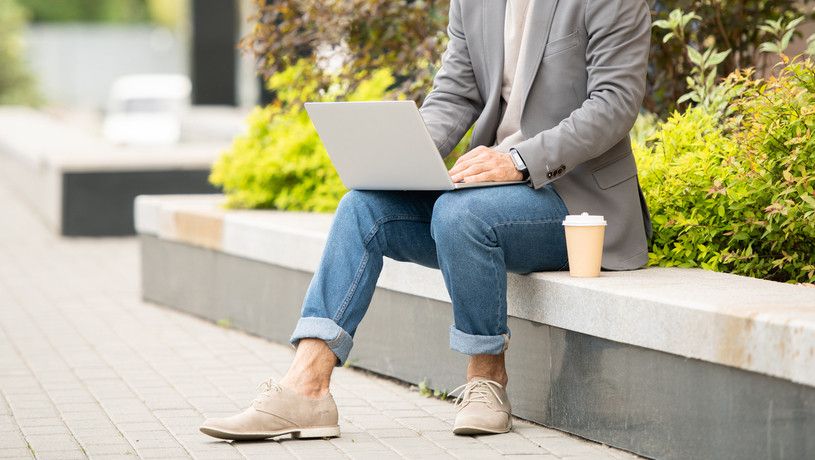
(516, 158)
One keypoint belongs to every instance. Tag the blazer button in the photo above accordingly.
(549, 175)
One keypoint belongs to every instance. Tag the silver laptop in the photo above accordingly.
(382, 146)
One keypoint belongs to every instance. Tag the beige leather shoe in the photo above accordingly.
(483, 408)
(275, 412)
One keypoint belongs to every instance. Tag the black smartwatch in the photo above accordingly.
(519, 163)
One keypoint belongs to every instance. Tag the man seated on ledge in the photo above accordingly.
(555, 84)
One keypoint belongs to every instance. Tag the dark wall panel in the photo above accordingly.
(214, 51)
(101, 203)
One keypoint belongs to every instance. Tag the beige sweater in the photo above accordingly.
(516, 37)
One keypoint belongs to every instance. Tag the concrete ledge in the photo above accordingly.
(743, 323)
(634, 389)
(652, 403)
(81, 185)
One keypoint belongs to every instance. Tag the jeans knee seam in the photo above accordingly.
(498, 282)
(384, 220)
(489, 227)
(493, 245)
(370, 236)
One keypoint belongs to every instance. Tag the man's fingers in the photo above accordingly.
(472, 154)
(486, 176)
(482, 164)
(459, 176)
(462, 165)
(473, 169)
(476, 168)
(477, 154)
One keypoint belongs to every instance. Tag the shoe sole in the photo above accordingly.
(296, 433)
(471, 430)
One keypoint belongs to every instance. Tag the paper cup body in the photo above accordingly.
(584, 244)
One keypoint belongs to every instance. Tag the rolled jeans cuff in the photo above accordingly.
(337, 339)
(470, 344)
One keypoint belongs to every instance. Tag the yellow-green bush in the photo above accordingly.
(738, 194)
(682, 173)
(280, 162)
(17, 85)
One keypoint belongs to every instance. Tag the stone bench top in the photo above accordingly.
(750, 324)
(45, 142)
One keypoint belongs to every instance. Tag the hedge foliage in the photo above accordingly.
(736, 193)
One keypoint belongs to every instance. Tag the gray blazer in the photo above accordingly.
(583, 93)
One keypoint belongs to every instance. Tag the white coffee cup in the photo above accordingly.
(584, 244)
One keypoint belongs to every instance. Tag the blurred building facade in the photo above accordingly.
(76, 63)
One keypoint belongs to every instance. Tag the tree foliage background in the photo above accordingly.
(724, 24)
(409, 36)
(405, 36)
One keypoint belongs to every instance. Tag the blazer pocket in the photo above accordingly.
(562, 44)
(617, 171)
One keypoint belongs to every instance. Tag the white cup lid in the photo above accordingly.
(584, 220)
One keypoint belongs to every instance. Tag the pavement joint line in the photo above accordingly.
(17, 426)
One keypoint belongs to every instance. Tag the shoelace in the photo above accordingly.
(268, 386)
(477, 391)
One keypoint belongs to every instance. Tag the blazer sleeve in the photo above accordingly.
(619, 35)
(455, 102)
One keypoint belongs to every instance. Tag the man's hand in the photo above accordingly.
(483, 164)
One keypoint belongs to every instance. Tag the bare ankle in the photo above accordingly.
(306, 386)
(310, 372)
(502, 379)
(491, 367)
(306, 382)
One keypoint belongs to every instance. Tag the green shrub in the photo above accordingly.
(679, 173)
(736, 194)
(117, 11)
(280, 162)
(16, 83)
(644, 127)
(773, 130)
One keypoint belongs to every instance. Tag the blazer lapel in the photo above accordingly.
(493, 42)
(543, 12)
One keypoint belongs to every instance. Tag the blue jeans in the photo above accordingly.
(473, 235)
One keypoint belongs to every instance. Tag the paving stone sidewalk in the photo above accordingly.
(89, 370)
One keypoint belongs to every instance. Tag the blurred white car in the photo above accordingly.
(147, 109)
